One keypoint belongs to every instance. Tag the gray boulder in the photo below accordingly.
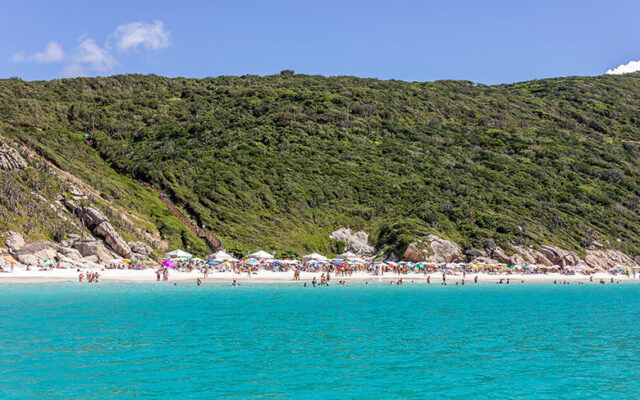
(356, 242)
(90, 248)
(433, 249)
(111, 237)
(14, 240)
(35, 253)
(140, 248)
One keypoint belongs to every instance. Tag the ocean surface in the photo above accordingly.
(275, 341)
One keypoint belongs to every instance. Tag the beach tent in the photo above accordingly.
(197, 260)
(314, 257)
(261, 255)
(178, 255)
(220, 256)
(347, 256)
(290, 262)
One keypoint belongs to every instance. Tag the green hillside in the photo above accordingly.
(281, 161)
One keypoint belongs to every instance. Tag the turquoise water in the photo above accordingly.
(159, 341)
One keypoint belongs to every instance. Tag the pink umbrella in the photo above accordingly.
(169, 263)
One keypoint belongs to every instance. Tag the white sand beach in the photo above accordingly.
(21, 275)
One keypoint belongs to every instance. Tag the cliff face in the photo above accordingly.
(48, 213)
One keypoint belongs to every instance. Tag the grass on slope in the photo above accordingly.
(281, 161)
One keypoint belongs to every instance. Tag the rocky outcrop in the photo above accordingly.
(434, 249)
(562, 257)
(637, 260)
(35, 253)
(484, 261)
(100, 226)
(140, 248)
(93, 248)
(10, 159)
(70, 253)
(14, 241)
(532, 256)
(605, 259)
(356, 242)
(111, 237)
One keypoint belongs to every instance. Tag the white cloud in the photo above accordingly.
(52, 53)
(89, 57)
(152, 36)
(92, 56)
(631, 66)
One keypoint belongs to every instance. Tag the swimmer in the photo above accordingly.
(199, 282)
(475, 280)
(234, 284)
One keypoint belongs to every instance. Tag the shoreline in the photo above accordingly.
(269, 277)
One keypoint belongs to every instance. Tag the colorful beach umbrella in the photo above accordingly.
(169, 263)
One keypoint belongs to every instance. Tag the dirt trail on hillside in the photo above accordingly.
(207, 235)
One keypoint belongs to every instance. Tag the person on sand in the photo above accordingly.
(429, 279)
(314, 282)
(158, 275)
(444, 277)
(463, 282)
(611, 279)
(80, 277)
(591, 278)
(199, 282)
(96, 277)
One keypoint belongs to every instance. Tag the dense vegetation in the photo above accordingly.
(281, 161)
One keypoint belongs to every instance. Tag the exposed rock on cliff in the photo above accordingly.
(10, 159)
(356, 242)
(433, 249)
(605, 259)
(100, 226)
(14, 241)
(35, 253)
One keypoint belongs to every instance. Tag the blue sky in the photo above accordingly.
(481, 41)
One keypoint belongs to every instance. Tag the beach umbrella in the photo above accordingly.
(169, 263)
(212, 262)
(47, 262)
